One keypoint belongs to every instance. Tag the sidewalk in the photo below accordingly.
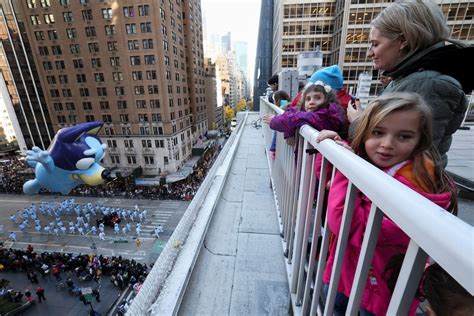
(241, 262)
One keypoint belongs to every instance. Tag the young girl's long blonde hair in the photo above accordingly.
(389, 103)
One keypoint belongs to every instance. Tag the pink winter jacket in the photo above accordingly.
(392, 241)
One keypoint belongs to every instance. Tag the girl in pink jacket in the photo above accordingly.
(395, 135)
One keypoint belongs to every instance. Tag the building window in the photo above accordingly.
(67, 16)
(99, 77)
(110, 30)
(64, 2)
(143, 117)
(159, 143)
(84, 92)
(151, 75)
(107, 118)
(107, 13)
(54, 93)
(71, 33)
(78, 63)
(52, 34)
(81, 78)
(104, 105)
(128, 11)
(154, 104)
(61, 119)
(165, 161)
(67, 93)
(115, 61)
(135, 60)
(153, 89)
(102, 92)
(144, 130)
(131, 28)
(35, 20)
(165, 45)
(119, 91)
(90, 31)
(122, 104)
(141, 104)
(96, 62)
(128, 143)
(149, 59)
(144, 10)
(39, 35)
(87, 106)
(72, 119)
(51, 79)
(117, 76)
(149, 160)
(112, 46)
(31, 4)
(114, 159)
(93, 47)
(137, 75)
(63, 79)
(60, 65)
(109, 130)
(87, 15)
(43, 50)
(74, 49)
(131, 160)
(45, 3)
(163, 29)
(56, 49)
(139, 90)
(90, 118)
(147, 43)
(126, 130)
(58, 106)
(156, 117)
(145, 27)
(133, 45)
(48, 18)
(146, 143)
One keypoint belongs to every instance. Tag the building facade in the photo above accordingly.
(341, 30)
(22, 97)
(135, 65)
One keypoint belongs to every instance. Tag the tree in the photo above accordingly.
(241, 106)
(250, 105)
(229, 113)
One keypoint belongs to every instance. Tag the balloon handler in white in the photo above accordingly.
(72, 159)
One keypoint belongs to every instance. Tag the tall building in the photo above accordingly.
(20, 88)
(226, 43)
(214, 107)
(263, 58)
(240, 49)
(341, 30)
(136, 66)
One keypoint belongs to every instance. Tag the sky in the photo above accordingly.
(240, 17)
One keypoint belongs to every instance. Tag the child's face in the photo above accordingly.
(313, 101)
(393, 139)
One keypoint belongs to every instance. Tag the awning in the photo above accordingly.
(179, 175)
(147, 182)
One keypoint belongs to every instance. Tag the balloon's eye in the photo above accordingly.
(84, 163)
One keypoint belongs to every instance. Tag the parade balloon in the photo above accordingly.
(72, 159)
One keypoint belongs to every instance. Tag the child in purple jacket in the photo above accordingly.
(319, 109)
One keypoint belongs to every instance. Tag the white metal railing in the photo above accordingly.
(432, 231)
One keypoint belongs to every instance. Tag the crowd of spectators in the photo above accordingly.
(15, 172)
(68, 270)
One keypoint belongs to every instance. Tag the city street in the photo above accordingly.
(166, 212)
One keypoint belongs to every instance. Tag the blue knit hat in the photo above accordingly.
(331, 76)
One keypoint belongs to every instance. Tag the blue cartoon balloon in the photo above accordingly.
(72, 159)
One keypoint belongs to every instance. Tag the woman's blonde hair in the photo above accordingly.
(389, 103)
(420, 22)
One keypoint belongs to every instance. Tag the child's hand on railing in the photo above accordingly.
(267, 118)
(326, 134)
(290, 141)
